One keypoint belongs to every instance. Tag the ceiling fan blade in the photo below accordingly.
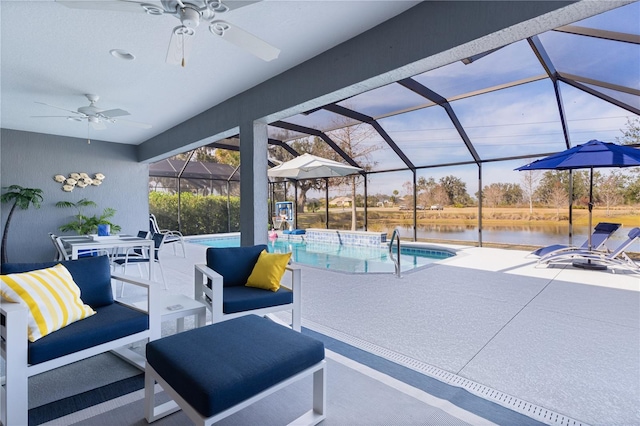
(179, 46)
(63, 109)
(117, 5)
(245, 40)
(133, 123)
(98, 125)
(110, 113)
(51, 116)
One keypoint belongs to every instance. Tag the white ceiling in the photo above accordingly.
(54, 54)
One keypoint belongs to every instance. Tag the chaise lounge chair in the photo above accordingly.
(601, 234)
(616, 258)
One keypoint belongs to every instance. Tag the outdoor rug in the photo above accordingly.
(362, 389)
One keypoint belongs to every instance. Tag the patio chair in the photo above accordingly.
(135, 258)
(616, 258)
(600, 235)
(170, 236)
(221, 284)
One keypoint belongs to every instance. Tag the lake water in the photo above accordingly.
(526, 235)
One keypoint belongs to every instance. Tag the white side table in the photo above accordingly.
(177, 307)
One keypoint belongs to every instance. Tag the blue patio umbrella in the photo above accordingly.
(593, 154)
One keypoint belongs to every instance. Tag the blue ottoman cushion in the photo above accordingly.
(218, 366)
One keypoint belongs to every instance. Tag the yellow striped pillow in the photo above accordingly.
(51, 295)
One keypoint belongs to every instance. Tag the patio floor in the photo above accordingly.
(556, 344)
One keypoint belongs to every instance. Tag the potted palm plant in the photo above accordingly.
(22, 198)
(85, 225)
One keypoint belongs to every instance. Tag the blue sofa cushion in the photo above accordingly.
(218, 366)
(240, 299)
(234, 263)
(92, 274)
(109, 323)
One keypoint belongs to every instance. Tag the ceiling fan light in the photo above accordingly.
(218, 28)
(122, 54)
(217, 6)
(151, 9)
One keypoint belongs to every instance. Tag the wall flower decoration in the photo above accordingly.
(78, 180)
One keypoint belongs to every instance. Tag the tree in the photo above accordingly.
(557, 197)
(22, 198)
(529, 184)
(226, 156)
(354, 141)
(493, 195)
(631, 134)
(610, 190)
(456, 190)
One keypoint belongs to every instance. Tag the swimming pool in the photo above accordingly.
(352, 259)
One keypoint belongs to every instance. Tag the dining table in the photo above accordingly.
(110, 243)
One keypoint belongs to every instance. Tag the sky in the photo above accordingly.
(514, 121)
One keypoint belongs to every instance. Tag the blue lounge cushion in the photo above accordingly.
(218, 366)
(111, 322)
(241, 298)
(294, 232)
(91, 274)
(234, 263)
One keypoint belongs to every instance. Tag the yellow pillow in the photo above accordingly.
(51, 295)
(268, 270)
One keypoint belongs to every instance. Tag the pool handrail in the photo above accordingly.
(396, 261)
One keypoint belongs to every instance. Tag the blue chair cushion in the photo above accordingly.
(109, 323)
(234, 263)
(218, 366)
(294, 231)
(240, 299)
(92, 274)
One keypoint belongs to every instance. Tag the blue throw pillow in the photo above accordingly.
(91, 274)
(234, 263)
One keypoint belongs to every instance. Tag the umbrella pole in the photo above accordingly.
(326, 202)
(589, 264)
(590, 204)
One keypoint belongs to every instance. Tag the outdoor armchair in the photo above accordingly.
(221, 286)
(113, 327)
(140, 256)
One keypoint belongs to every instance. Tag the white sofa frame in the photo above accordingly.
(14, 349)
(214, 294)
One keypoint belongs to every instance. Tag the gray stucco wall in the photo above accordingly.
(32, 159)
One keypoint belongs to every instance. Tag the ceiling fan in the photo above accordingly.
(95, 116)
(191, 13)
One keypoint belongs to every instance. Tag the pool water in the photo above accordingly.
(352, 259)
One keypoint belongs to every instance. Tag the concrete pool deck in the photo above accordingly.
(532, 339)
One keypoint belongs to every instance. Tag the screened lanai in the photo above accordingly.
(476, 119)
